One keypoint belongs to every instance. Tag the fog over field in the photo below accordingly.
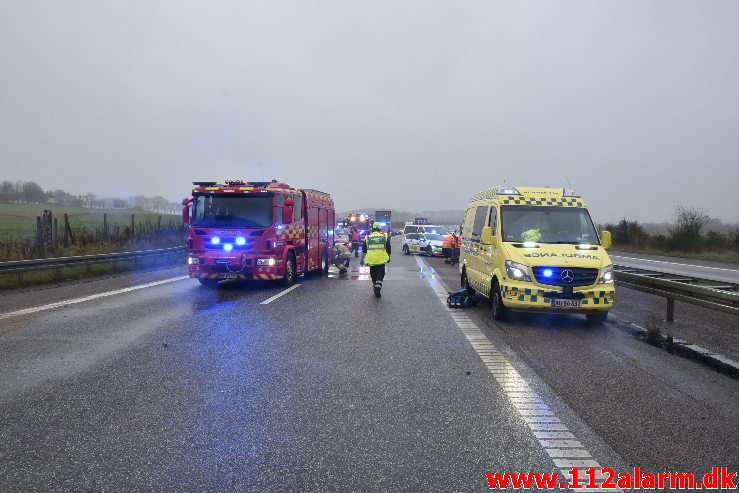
(411, 105)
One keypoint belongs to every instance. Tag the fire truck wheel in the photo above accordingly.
(289, 278)
(209, 283)
(324, 262)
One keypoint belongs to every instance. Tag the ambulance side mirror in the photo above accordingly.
(605, 239)
(486, 237)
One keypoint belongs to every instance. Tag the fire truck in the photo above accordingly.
(257, 230)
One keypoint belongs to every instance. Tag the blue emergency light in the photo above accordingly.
(228, 247)
(547, 272)
(215, 240)
(280, 227)
(241, 240)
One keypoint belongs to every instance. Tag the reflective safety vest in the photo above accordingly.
(449, 242)
(376, 254)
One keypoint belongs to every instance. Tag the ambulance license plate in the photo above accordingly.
(227, 275)
(567, 303)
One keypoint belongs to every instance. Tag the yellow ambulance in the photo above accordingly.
(537, 250)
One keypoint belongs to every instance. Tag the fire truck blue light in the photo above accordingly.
(228, 247)
(241, 240)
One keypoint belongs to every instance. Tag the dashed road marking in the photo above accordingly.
(555, 438)
(281, 293)
(74, 301)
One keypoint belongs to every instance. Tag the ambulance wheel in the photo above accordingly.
(406, 251)
(324, 262)
(429, 251)
(290, 271)
(466, 282)
(596, 318)
(500, 312)
(209, 283)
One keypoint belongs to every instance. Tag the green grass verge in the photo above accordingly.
(19, 220)
(13, 281)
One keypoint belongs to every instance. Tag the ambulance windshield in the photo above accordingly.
(547, 224)
(214, 211)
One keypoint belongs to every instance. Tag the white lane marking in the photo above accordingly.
(562, 446)
(270, 300)
(673, 263)
(74, 301)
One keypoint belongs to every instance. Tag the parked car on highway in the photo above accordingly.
(428, 244)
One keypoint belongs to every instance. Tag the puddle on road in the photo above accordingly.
(679, 347)
(363, 274)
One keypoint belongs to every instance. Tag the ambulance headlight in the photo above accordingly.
(266, 261)
(606, 275)
(193, 260)
(516, 271)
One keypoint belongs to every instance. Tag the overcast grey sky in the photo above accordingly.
(636, 102)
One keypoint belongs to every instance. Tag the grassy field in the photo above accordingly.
(19, 220)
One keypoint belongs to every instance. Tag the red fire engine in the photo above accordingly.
(257, 230)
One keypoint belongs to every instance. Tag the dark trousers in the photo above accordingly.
(377, 273)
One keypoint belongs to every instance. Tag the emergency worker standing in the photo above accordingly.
(457, 244)
(375, 254)
(447, 248)
(341, 256)
(355, 241)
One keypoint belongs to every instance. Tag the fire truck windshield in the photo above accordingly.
(214, 211)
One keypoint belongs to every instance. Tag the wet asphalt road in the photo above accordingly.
(176, 387)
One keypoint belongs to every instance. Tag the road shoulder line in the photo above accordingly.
(74, 301)
(565, 449)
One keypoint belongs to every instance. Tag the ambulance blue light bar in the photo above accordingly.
(508, 191)
(569, 193)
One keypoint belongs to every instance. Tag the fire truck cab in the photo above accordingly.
(257, 230)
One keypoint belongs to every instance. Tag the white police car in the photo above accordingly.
(426, 243)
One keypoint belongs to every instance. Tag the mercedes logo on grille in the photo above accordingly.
(567, 276)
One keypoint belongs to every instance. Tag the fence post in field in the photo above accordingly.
(132, 225)
(68, 237)
(105, 225)
(47, 230)
(55, 234)
(39, 238)
(159, 222)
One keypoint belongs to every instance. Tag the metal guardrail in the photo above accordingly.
(21, 266)
(702, 292)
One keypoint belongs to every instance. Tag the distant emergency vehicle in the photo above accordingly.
(257, 230)
(536, 249)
